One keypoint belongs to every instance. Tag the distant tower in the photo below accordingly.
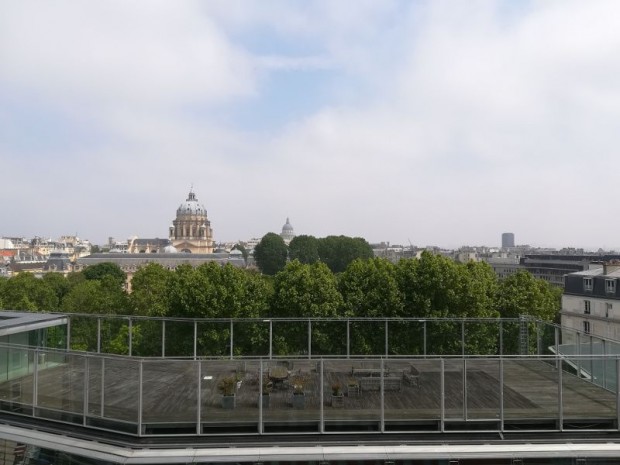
(287, 232)
(508, 240)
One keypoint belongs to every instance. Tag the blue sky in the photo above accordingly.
(443, 122)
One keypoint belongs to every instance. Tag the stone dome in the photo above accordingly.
(287, 232)
(191, 206)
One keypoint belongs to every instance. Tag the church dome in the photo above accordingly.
(191, 206)
(287, 231)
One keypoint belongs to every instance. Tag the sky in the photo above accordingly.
(426, 122)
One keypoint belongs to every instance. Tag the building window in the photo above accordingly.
(586, 327)
(586, 307)
(608, 307)
(587, 284)
(610, 286)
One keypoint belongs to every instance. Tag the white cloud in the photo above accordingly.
(461, 120)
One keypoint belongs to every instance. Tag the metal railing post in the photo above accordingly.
(130, 335)
(163, 338)
(309, 338)
(98, 335)
(382, 427)
(232, 340)
(348, 338)
(560, 393)
(140, 379)
(199, 399)
(195, 338)
(442, 394)
(386, 339)
(322, 394)
(465, 389)
(501, 394)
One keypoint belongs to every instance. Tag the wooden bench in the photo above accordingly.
(366, 372)
(373, 383)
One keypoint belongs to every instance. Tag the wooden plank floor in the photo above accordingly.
(170, 390)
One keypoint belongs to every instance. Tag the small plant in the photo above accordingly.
(227, 385)
(267, 387)
(298, 386)
(336, 389)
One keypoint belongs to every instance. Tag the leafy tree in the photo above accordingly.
(304, 291)
(304, 248)
(150, 290)
(96, 296)
(271, 254)
(370, 289)
(338, 251)
(188, 293)
(100, 270)
(523, 294)
(3, 282)
(26, 292)
(149, 297)
(437, 287)
(58, 283)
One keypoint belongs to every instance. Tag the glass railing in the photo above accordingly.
(157, 396)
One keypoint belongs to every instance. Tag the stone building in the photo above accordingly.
(287, 232)
(191, 231)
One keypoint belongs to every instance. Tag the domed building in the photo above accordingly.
(287, 232)
(191, 231)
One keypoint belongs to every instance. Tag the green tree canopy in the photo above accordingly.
(96, 296)
(59, 283)
(304, 248)
(370, 289)
(26, 292)
(100, 270)
(306, 291)
(271, 254)
(150, 290)
(338, 251)
(523, 294)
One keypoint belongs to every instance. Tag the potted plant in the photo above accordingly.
(266, 389)
(227, 387)
(353, 387)
(299, 396)
(337, 395)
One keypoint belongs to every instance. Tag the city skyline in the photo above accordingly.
(439, 123)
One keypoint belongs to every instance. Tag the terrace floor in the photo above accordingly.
(169, 400)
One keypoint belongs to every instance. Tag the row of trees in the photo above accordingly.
(337, 252)
(432, 286)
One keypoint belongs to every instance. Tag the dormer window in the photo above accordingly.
(610, 286)
(587, 284)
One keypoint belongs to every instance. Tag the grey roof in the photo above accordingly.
(600, 271)
(19, 322)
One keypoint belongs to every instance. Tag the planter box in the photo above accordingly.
(299, 401)
(338, 401)
(228, 402)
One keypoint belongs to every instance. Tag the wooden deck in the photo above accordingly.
(169, 393)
